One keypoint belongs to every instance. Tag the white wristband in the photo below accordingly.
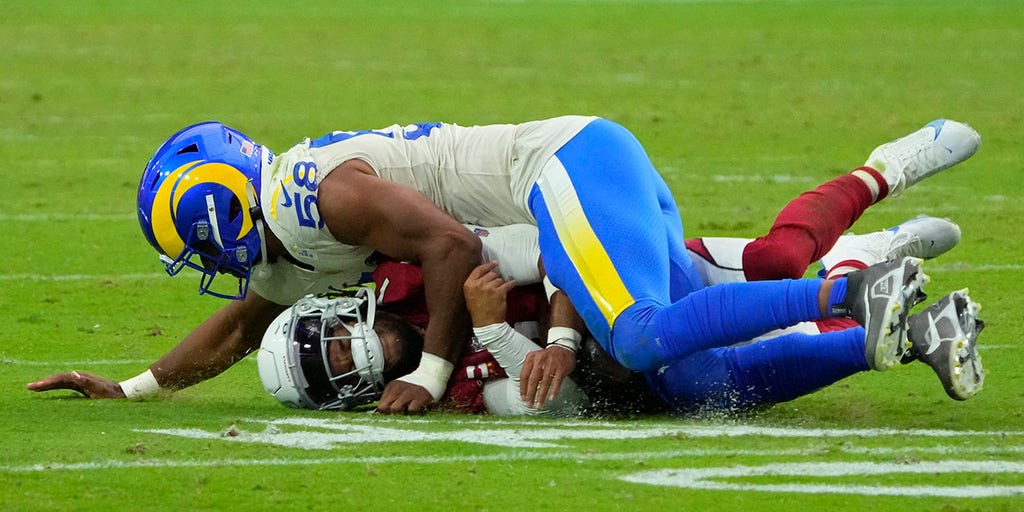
(141, 385)
(432, 374)
(565, 337)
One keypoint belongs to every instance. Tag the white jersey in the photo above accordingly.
(315, 260)
(479, 175)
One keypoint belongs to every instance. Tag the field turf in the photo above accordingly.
(741, 104)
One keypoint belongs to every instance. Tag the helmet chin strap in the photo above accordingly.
(211, 211)
(256, 212)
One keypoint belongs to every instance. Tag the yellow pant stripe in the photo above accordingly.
(580, 242)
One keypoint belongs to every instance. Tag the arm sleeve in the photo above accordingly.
(507, 345)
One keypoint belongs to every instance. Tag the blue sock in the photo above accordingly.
(649, 335)
(745, 377)
(838, 293)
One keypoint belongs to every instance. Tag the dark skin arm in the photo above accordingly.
(359, 208)
(544, 370)
(220, 341)
(226, 337)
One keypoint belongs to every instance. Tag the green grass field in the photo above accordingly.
(741, 104)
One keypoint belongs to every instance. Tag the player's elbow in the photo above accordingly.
(460, 246)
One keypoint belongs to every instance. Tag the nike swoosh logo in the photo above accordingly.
(287, 197)
(934, 339)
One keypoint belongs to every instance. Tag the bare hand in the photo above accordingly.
(92, 386)
(542, 374)
(485, 293)
(404, 398)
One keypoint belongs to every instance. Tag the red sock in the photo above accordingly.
(836, 324)
(808, 227)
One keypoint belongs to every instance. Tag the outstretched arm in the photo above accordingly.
(361, 209)
(226, 337)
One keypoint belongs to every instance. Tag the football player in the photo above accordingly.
(609, 229)
(301, 363)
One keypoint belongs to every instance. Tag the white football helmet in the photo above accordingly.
(293, 358)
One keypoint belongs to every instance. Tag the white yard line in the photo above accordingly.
(81, 277)
(510, 457)
(315, 434)
(704, 429)
(516, 456)
(717, 478)
(98, 362)
(535, 440)
(66, 217)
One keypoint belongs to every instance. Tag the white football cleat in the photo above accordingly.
(940, 145)
(921, 237)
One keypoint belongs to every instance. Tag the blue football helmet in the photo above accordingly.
(294, 363)
(199, 204)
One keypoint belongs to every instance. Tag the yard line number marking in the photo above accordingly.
(539, 440)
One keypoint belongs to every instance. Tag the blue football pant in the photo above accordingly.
(759, 374)
(612, 239)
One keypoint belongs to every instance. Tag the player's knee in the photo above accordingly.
(636, 343)
(629, 356)
(767, 262)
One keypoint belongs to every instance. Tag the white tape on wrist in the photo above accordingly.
(141, 385)
(432, 374)
(565, 337)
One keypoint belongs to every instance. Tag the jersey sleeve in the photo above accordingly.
(516, 248)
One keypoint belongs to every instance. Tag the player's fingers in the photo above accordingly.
(556, 385)
(543, 388)
(417, 406)
(58, 381)
(507, 286)
(491, 280)
(532, 384)
(482, 269)
(477, 285)
(41, 384)
(524, 375)
(404, 398)
(386, 403)
(410, 402)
